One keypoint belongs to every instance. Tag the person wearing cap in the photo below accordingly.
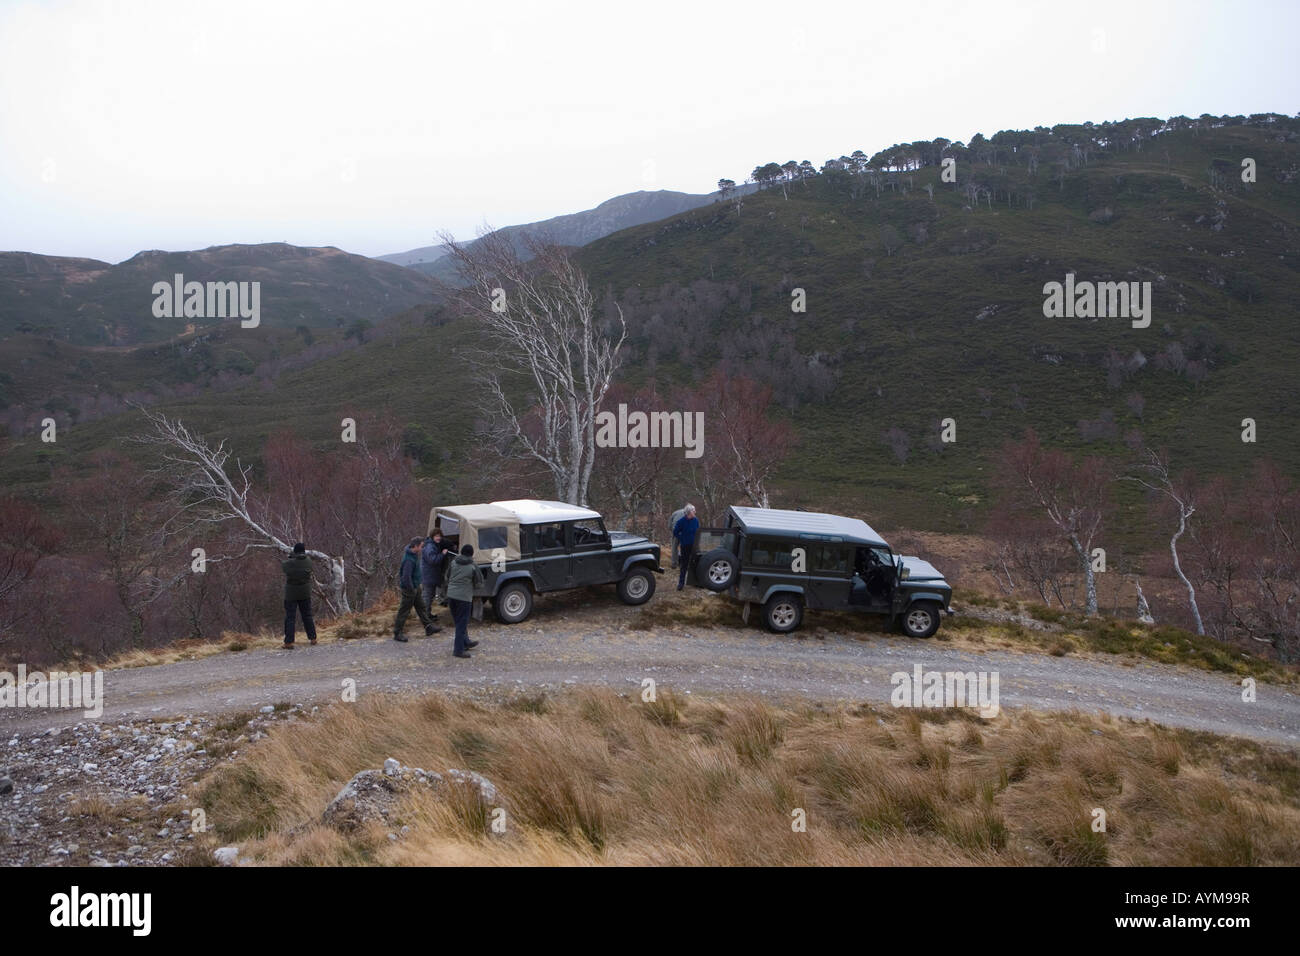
(297, 595)
(463, 579)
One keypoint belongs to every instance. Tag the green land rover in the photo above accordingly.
(786, 561)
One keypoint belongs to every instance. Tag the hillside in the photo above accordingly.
(918, 309)
(574, 229)
(921, 309)
(88, 302)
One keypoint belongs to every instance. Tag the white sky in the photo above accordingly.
(372, 125)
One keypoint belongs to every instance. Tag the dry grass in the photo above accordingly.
(590, 777)
(375, 621)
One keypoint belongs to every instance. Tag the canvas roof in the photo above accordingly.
(479, 514)
(480, 526)
(813, 523)
(538, 511)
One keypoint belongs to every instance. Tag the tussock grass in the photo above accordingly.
(591, 777)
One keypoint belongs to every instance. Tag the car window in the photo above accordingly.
(710, 538)
(496, 537)
(587, 532)
(829, 557)
(770, 553)
(546, 537)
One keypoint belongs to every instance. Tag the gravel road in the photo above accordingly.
(593, 645)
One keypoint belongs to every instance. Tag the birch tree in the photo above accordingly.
(1155, 477)
(208, 493)
(540, 324)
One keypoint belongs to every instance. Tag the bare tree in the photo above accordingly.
(25, 539)
(750, 445)
(541, 324)
(1072, 495)
(207, 494)
(1155, 477)
(119, 521)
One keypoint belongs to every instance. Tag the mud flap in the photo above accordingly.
(744, 615)
(476, 611)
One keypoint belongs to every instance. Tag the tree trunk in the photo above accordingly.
(338, 590)
(1178, 569)
(1089, 577)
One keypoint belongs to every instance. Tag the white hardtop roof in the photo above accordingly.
(774, 520)
(535, 511)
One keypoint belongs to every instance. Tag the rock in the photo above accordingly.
(268, 709)
(6, 785)
(486, 789)
(372, 795)
(226, 855)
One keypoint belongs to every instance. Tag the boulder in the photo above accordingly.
(372, 795)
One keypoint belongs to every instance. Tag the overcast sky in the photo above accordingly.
(373, 125)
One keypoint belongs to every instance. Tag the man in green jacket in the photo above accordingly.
(297, 595)
(463, 580)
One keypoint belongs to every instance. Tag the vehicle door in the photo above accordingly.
(829, 569)
(591, 559)
(547, 556)
(711, 539)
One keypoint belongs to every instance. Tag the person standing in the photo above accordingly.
(463, 579)
(672, 526)
(431, 567)
(684, 532)
(297, 595)
(408, 580)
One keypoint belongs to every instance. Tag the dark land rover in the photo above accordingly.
(790, 560)
(528, 547)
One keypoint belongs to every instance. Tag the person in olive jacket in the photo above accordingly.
(297, 595)
(462, 581)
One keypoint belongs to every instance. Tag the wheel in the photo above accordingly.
(637, 587)
(783, 613)
(717, 570)
(513, 603)
(921, 619)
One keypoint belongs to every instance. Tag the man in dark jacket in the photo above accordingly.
(433, 561)
(409, 583)
(297, 595)
(684, 533)
(463, 579)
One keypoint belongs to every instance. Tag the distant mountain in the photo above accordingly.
(574, 229)
(88, 302)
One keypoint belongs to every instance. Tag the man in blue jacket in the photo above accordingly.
(684, 534)
(408, 580)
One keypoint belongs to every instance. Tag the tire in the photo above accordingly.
(783, 613)
(637, 587)
(513, 603)
(920, 619)
(717, 570)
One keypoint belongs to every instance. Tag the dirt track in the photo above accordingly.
(596, 643)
